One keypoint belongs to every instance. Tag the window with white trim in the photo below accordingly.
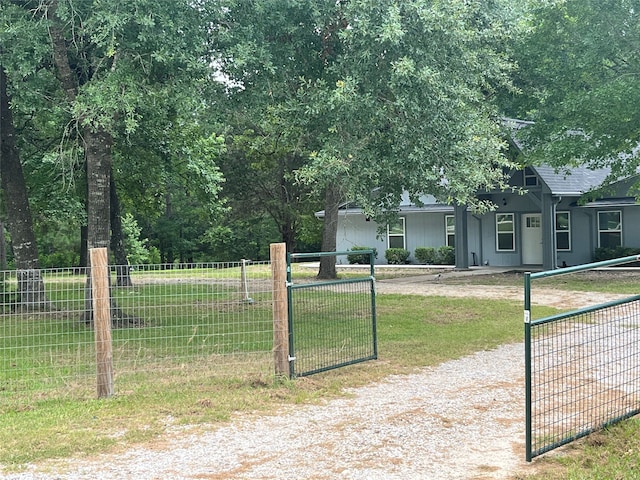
(505, 232)
(563, 231)
(610, 229)
(450, 230)
(396, 234)
(530, 178)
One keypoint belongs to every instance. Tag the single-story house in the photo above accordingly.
(547, 227)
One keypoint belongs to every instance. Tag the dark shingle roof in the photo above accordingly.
(574, 182)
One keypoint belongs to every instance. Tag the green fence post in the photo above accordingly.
(373, 304)
(527, 362)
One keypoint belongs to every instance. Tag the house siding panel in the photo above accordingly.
(631, 227)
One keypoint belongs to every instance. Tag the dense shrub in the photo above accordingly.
(436, 256)
(446, 255)
(362, 259)
(397, 256)
(609, 253)
(426, 255)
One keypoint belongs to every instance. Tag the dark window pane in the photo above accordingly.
(396, 242)
(505, 241)
(610, 239)
(562, 240)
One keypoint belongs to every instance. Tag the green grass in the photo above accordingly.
(612, 454)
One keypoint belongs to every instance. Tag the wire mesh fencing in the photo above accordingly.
(168, 321)
(582, 369)
(332, 323)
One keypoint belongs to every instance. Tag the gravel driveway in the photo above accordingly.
(463, 419)
(460, 420)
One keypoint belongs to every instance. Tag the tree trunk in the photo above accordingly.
(329, 232)
(98, 159)
(3, 244)
(97, 148)
(288, 232)
(31, 291)
(123, 278)
(97, 154)
(84, 252)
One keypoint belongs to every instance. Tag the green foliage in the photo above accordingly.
(443, 255)
(579, 76)
(426, 255)
(607, 253)
(59, 241)
(139, 71)
(237, 239)
(446, 255)
(269, 47)
(362, 259)
(136, 247)
(404, 102)
(397, 256)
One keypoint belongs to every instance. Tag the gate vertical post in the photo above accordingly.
(102, 321)
(278, 253)
(527, 365)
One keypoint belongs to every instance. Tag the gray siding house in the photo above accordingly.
(547, 227)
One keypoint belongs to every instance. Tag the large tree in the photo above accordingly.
(120, 63)
(266, 48)
(381, 96)
(580, 81)
(31, 291)
(20, 59)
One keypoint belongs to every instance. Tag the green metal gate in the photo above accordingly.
(331, 323)
(582, 367)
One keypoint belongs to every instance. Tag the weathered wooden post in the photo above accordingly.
(278, 252)
(102, 321)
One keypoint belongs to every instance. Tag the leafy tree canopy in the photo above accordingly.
(579, 76)
(381, 96)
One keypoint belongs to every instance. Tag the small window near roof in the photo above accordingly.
(530, 178)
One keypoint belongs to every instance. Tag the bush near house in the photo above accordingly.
(609, 253)
(436, 255)
(447, 255)
(397, 256)
(360, 259)
(426, 255)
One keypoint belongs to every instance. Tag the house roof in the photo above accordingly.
(571, 183)
(574, 181)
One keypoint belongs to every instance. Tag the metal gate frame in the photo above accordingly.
(291, 288)
(564, 436)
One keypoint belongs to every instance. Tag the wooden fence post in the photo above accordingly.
(278, 253)
(101, 303)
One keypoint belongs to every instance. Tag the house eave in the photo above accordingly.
(431, 208)
(611, 202)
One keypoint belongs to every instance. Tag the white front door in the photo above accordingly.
(532, 239)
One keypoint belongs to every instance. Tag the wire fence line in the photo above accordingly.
(173, 320)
